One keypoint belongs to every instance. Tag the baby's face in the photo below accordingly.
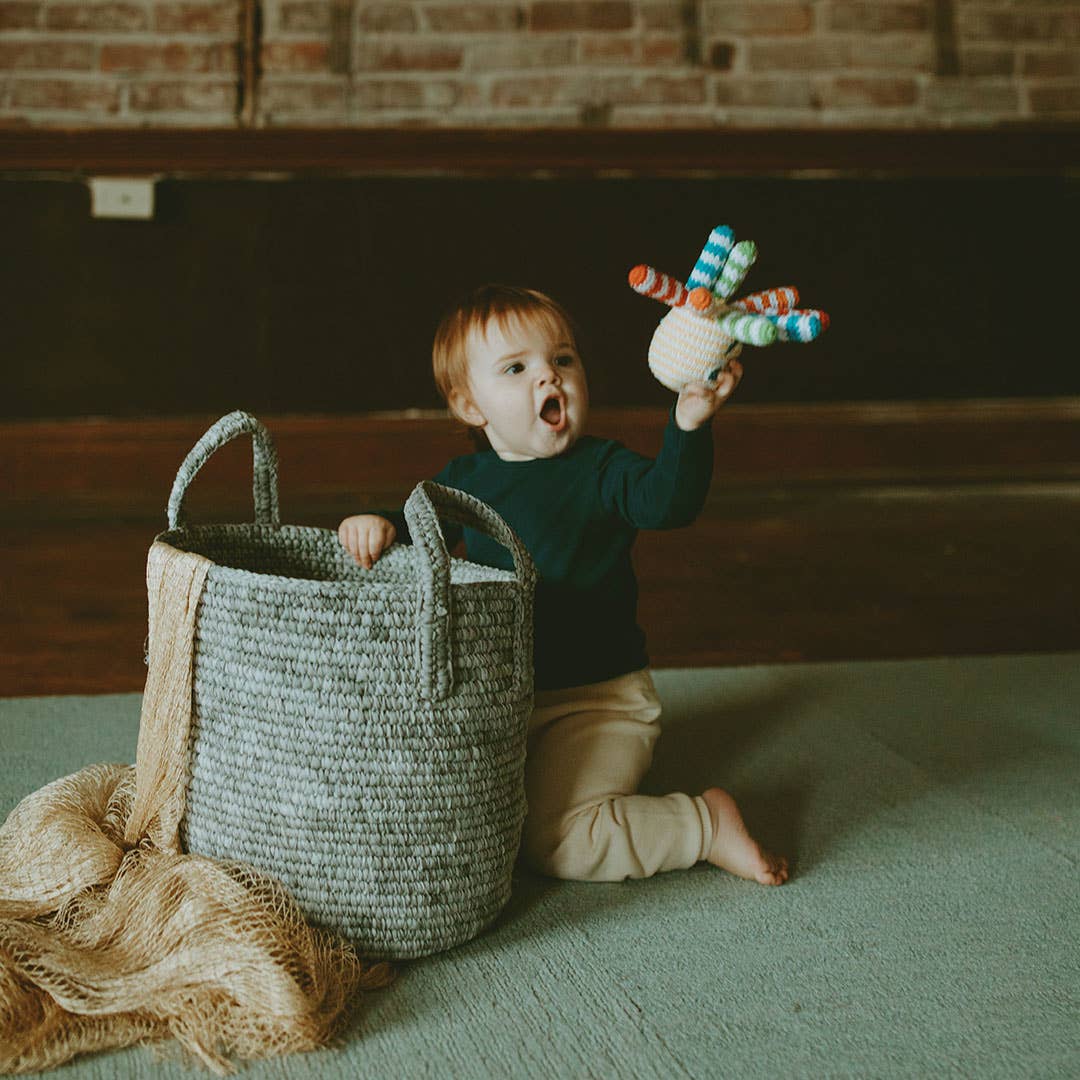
(527, 390)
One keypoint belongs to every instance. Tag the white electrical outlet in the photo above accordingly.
(122, 197)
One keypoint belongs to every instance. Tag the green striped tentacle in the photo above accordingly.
(738, 264)
(750, 329)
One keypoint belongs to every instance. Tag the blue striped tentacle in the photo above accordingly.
(798, 325)
(713, 255)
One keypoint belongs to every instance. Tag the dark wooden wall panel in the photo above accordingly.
(320, 295)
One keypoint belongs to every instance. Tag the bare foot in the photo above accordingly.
(734, 849)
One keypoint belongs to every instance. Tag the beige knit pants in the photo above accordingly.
(589, 747)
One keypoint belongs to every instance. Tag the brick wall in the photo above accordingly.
(107, 63)
(608, 63)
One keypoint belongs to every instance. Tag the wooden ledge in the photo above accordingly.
(1038, 148)
(83, 467)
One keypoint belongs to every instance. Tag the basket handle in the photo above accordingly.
(427, 503)
(264, 454)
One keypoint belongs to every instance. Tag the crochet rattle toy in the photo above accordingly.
(705, 328)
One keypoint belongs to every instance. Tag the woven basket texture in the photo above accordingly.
(359, 734)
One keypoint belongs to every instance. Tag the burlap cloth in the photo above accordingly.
(110, 935)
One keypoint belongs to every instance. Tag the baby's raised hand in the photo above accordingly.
(698, 401)
(366, 537)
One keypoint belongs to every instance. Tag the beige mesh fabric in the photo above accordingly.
(110, 936)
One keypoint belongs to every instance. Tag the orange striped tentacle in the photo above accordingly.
(660, 286)
(770, 301)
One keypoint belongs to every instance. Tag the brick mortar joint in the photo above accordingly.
(141, 37)
(123, 78)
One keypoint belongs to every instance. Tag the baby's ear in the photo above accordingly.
(464, 408)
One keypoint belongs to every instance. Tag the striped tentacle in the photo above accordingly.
(736, 268)
(800, 325)
(712, 258)
(662, 287)
(750, 329)
(770, 301)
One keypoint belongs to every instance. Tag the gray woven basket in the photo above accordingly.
(359, 734)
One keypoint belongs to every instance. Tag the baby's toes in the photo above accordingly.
(776, 870)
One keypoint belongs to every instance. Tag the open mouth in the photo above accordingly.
(553, 413)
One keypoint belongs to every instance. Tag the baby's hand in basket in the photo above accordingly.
(366, 537)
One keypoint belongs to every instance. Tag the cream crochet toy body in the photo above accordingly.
(705, 328)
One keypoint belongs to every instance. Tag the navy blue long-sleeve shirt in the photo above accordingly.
(578, 515)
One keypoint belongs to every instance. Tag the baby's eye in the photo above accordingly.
(565, 360)
(513, 369)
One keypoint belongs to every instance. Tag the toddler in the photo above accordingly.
(506, 361)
